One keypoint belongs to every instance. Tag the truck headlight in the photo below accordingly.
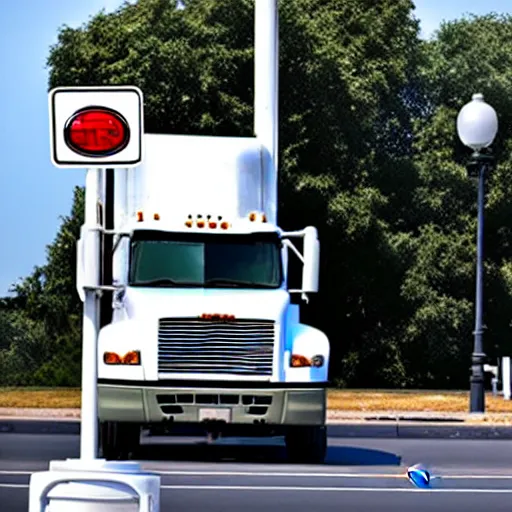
(300, 361)
(130, 358)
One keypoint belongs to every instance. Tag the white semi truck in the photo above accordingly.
(203, 328)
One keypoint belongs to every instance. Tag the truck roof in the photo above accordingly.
(198, 225)
(182, 175)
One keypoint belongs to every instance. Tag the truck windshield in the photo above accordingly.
(160, 259)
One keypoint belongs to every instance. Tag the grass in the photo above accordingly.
(341, 400)
(40, 398)
(403, 401)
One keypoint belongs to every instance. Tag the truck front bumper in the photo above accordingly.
(151, 404)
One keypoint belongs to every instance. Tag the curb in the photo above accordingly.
(333, 416)
(408, 430)
(336, 428)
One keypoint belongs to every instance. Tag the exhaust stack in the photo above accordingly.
(266, 89)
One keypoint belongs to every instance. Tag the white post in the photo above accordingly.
(266, 86)
(89, 427)
(506, 377)
(89, 415)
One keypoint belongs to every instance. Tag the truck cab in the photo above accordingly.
(204, 330)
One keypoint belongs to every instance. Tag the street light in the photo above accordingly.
(477, 125)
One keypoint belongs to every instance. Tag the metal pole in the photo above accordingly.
(477, 399)
(89, 414)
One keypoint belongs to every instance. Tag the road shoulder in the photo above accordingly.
(340, 424)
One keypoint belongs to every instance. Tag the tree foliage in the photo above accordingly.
(368, 153)
(40, 326)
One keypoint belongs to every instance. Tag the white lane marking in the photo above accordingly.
(278, 473)
(329, 489)
(257, 474)
(476, 477)
(307, 489)
(323, 475)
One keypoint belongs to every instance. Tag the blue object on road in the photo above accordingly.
(419, 476)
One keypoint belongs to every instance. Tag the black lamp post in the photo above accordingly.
(477, 125)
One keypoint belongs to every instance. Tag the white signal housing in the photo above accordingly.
(106, 146)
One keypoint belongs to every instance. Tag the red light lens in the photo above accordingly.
(111, 358)
(298, 361)
(97, 131)
(132, 357)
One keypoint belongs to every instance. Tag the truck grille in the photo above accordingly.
(244, 347)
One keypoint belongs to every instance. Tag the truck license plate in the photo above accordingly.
(215, 414)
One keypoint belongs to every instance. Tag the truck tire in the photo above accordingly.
(119, 440)
(306, 445)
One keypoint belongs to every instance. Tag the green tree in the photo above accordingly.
(466, 56)
(45, 315)
(49, 293)
(24, 347)
(345, 75)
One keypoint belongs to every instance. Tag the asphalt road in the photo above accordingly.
(360, 474)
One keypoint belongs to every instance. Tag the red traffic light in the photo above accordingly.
(97, 131)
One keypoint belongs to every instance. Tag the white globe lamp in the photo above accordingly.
(477, 123)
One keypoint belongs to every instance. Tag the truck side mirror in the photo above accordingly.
(80, 268)
(311, 254)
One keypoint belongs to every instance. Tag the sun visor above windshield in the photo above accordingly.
(182, 175)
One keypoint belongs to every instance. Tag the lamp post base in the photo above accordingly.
(477, 384)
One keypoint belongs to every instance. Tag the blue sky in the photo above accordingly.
(33, 194)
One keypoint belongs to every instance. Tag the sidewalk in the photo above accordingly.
(333, 416)
(341, 424)
(501, 419)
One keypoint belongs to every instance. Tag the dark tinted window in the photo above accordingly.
(246, 261)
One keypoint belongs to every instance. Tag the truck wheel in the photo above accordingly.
(119, 440)
(306, 445)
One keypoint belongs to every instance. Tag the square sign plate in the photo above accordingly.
(215, 414)
(96, 126)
